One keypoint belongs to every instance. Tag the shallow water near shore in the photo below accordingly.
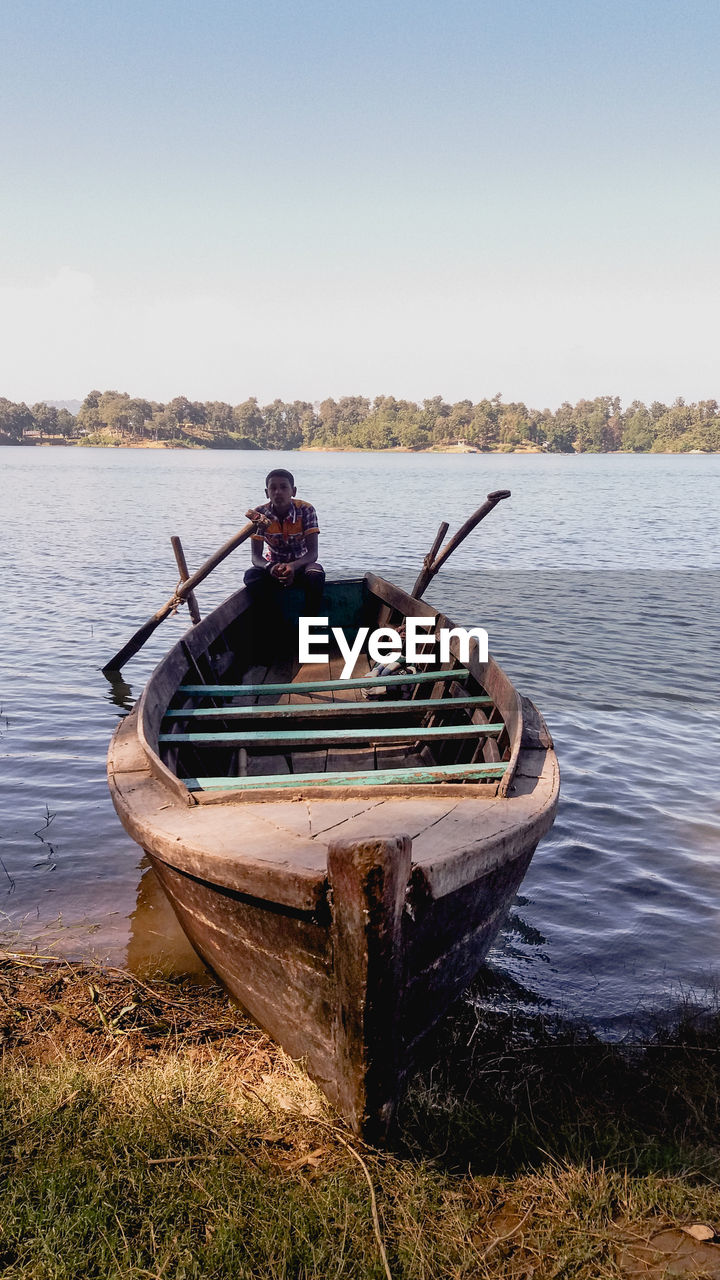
(597, 582)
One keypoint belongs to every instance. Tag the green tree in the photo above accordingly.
(638, 428)
(139, 415)
(219, 419)
(15, 419)
(88, 418)
(560, 432)
(483, 429)
(46, 418)
(66, 424)
(249, 421)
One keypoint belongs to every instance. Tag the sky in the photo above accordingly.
(223, 199)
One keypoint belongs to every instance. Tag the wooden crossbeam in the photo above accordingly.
(318, 686)
(291, 710)
(291, 738)
(370, 778)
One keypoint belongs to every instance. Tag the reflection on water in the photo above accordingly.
(120, 693)
(157, 944)
(618, 648)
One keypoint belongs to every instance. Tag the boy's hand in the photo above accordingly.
(284, 574)
(259, 519)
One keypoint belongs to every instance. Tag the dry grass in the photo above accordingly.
(150, 1130)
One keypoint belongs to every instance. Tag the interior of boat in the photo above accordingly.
(246, 714)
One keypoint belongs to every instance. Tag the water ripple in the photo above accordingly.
(618, 647)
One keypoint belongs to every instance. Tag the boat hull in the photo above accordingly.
(351, 989)
(346, 920)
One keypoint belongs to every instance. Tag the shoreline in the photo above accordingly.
(176, 1139)
(494, 451)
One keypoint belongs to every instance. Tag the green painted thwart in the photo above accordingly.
(318, 686)
(383, 777)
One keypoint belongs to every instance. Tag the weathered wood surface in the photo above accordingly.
(340, 937)
(297, 709)
(315, 759)
(428, 571)
(348, 763)
(237, 848)
(427, 564)
(452, 842)
(482, 788)
(330, 735)
(368, 881)
(181, 562)
(432, 986)
(136, 642)
(277, 964)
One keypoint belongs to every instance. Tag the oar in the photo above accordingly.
(430, 565)
(184, 589)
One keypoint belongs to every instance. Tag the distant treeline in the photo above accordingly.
(590, 426)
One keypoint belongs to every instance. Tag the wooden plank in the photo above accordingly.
(191, 598)
(309, 761)
(384, 777)
(318, 710)
(487, 748)
(238, 761)
(261, 763)
(357, 759)
(368, 881)
(430, 929)
(314, 686)
(397, 757)
(279, 674)
(261, 766)
(246, 694)
(351, 760)
(274, 963)
(325, 737)
(313, 761)
(347, 690)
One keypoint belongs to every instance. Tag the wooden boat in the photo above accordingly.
(343, 865)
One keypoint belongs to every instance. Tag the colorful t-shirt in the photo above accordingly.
(287, 539)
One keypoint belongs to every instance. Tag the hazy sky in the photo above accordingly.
(461, 197)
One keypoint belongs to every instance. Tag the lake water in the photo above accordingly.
(597, 582)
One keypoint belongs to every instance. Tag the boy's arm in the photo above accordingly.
(257, 542)
(257, 547)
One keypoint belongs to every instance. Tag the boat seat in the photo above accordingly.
(382, 777)
(317, 686)
(291, 738)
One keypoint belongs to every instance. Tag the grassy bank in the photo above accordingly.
(150, 1130)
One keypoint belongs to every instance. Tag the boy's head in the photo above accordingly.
(280, 489)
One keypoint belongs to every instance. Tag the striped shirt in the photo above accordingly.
(287, 539)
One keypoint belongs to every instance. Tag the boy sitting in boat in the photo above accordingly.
(290, 532)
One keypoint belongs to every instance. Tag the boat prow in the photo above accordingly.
(342, 865)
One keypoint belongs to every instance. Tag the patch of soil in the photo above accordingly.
(57, 1010)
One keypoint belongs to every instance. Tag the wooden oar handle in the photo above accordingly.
(428, 571)
(137, 641)
(490, 502)
(259, 519)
